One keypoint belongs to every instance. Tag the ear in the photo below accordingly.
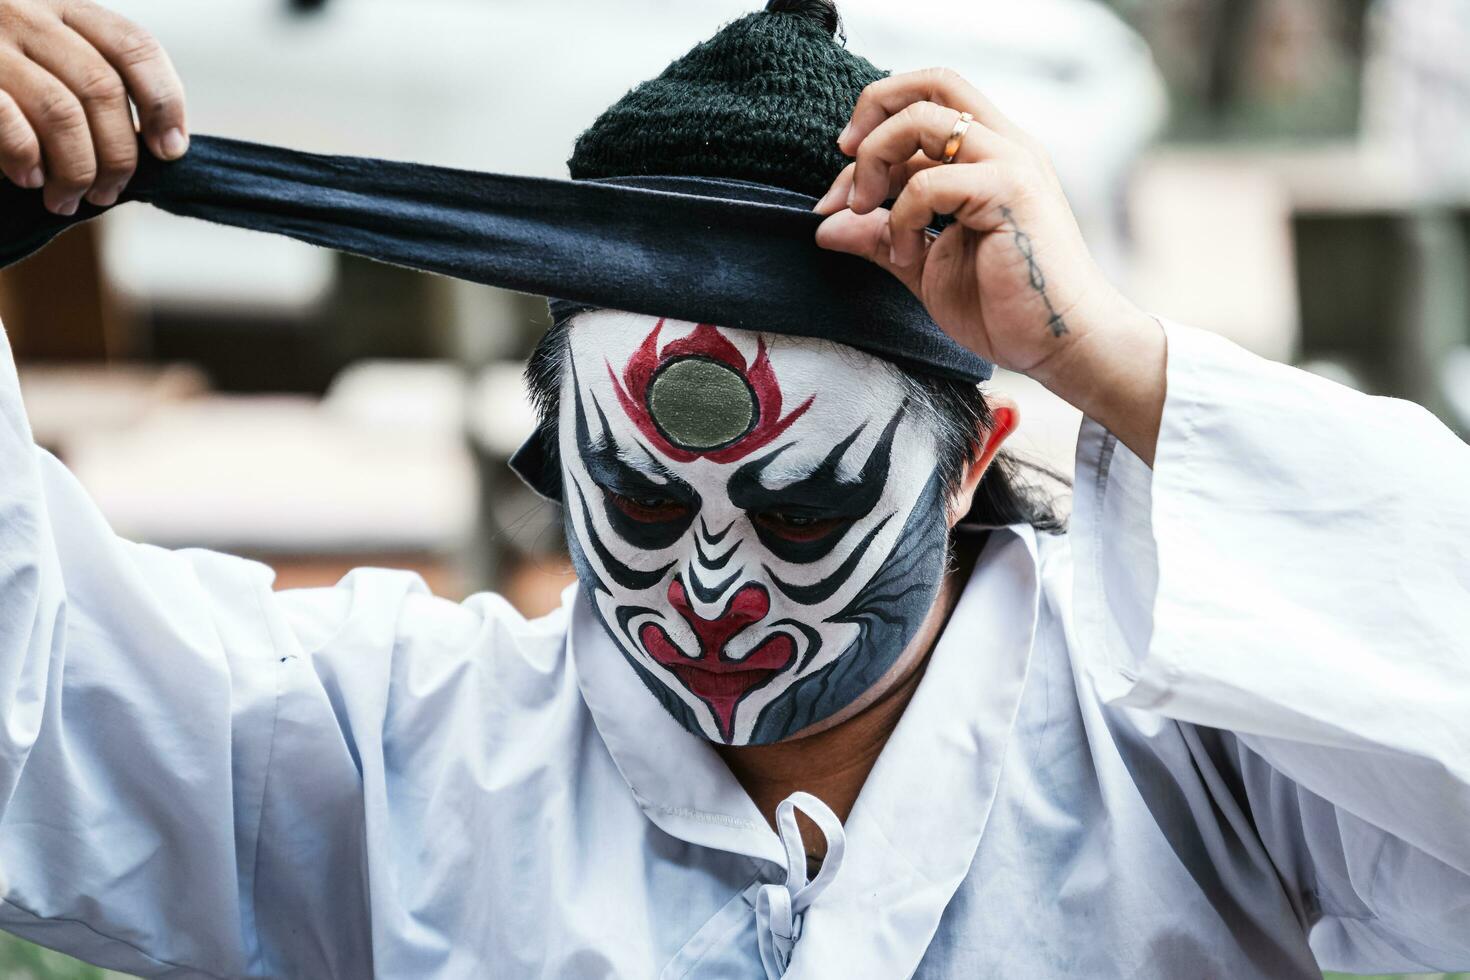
(1005, 416)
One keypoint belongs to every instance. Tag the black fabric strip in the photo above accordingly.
(725, 252)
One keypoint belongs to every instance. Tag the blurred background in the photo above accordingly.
(1293, 174)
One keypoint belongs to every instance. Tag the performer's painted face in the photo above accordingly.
(757, 519)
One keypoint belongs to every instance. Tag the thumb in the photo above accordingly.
(868, 236)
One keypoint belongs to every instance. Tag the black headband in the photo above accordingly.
(730, 253)
(726, 252)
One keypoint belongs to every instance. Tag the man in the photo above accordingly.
(1216, 729)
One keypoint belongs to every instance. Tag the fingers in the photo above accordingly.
(889, 96)
(898, 239)
(145, 68)
(837, 195)
(976, 194)
(868, 236)
(68, 73)
(920, 128)
(59, 122)
(20, 151)
(74, 62)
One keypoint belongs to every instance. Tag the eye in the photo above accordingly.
(795, 525)
(649, 510)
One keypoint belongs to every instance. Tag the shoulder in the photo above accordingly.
(381, 633)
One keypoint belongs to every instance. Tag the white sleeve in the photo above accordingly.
(1295, 569)
(157, 710)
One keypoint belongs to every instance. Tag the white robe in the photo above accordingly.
(1220, 729)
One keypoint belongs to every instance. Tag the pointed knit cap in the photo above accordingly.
(763, 100)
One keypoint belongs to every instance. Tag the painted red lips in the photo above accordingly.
(719, 682)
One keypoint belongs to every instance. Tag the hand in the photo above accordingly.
(1010, 278)
(68, 69)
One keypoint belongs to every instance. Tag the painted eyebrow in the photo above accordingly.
(654, 470)
(821, 489)
(606, 465)
(608, 452)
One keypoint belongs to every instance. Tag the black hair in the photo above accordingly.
(823, 13)
(1013, 491)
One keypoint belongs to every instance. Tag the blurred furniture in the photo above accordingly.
(1382, 263)
(1333, 256)
(66, 402)
(314, 488)
(56, 306)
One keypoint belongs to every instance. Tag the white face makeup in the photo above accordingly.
(756, 518)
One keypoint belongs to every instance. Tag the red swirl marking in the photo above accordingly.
(704, 341)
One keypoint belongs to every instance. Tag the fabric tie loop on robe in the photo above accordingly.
(778, 908)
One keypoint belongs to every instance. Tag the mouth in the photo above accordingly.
(721, 684)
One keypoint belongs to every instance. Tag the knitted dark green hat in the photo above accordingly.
(763, 100)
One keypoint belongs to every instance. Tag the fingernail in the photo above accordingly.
(174, 144)
(105, 197)
(842, 136)
(829, 200)
(35, 179)
(68, 207)
(892, 255)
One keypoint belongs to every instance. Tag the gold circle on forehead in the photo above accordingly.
(956, 137)
(699, 404)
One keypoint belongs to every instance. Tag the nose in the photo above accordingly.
(747, 606)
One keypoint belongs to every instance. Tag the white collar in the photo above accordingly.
(914, 829)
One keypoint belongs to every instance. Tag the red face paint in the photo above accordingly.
(716, 680)
(706, 342)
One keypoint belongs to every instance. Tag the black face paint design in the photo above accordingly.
(712, 537)
(888, 611)
(807, 542)
(623, 637)
(622, 483)
(711, 593)
(819, 592)
(713, 562)
(821, 495)
(623, 574)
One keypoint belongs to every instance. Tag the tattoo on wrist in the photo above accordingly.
(1054, 321)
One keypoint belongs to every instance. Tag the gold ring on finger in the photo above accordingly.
(956, 137)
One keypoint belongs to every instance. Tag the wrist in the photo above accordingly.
(1113, 371)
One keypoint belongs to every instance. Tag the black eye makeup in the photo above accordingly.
(647, 511)
(797, 526)
(803, 521)
(644, 513)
